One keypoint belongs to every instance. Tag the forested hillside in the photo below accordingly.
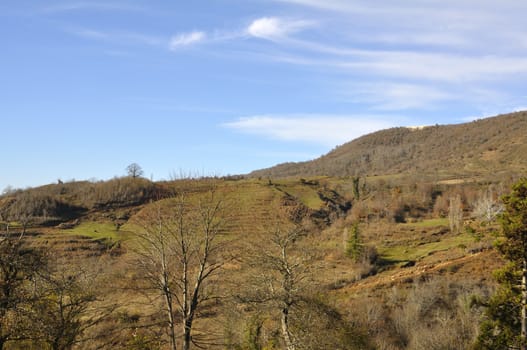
(490, 146)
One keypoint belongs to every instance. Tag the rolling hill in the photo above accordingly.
(487, 146)
(415, 275)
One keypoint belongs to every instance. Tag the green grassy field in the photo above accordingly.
(405, 253)
(98, 230)
(428, 223)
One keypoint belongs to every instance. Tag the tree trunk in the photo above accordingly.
(171, 321)
(289, 345)
(189, 316)
(169, 307)
(186, 335)
(523, 334)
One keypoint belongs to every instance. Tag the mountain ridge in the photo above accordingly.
(474, 149)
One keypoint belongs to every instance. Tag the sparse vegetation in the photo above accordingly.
(373, 259)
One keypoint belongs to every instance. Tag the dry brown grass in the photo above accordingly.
(363, 292)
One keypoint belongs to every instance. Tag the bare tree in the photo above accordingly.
(134, 170)
(179, 254)
(22, 211)
(291, 272)
(455, 214)
(18, 265)
(280, 281)
(30, 207)
(437, 314)
(281, 285)
(66, 304)
(278, 278)
(487, 207)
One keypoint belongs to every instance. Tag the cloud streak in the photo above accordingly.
(327, 130)
(273, 28)
(389, 96)
(388, 57)
(269, 28)
(186, 39)
(437, 67)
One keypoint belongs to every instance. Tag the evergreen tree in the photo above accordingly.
(354, 245)
(506, 323)
(356, 190)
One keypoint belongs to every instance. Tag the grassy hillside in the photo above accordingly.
(490, 146)
(410, 255)
(378, 264)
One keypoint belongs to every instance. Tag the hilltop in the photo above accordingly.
(485, 147)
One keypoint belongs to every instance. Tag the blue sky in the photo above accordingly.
(228, 86)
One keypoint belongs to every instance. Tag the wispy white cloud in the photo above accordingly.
(462, 13)
(272, 28)
(269, 28)
(450, 67)
(410, 14)
(328, 130)
(425, 53)
(174, 43)
(186, 39)
(471, 26)
(408, 64)
(436, 38)
(396, 96)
